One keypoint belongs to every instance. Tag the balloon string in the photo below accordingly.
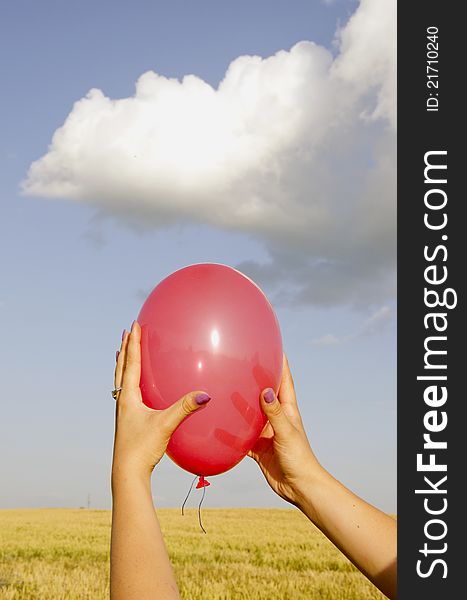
(189, 492)
(199, 509)
(200, 502)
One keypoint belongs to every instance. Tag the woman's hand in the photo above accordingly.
(283, 452)
(139, 563)
(367, 536)
(142, 433)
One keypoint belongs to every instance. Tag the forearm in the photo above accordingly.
(139, 564)
(367, 536)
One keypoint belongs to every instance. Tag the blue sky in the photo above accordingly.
(75, 273)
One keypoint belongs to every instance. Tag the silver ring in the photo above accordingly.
(115, 392)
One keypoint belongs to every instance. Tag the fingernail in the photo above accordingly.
(123, 334)
(133, 325)
(116, 355)
(202, 399)
(269, 396)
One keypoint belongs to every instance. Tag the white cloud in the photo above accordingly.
(378, 320)
(297, 149)
(374, 324)
(368, 56)
(328, 339)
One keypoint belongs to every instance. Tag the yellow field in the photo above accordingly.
(61, 554)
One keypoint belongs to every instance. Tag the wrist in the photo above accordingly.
(309, 485)
(129, 472)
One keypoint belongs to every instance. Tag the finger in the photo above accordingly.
(177, 412)
(120, 365)
(287, 388)
(275, 413)
(267, 432)
(262, 446)
(263, 441)
(252, 454)
(132, 368)
(287, 395)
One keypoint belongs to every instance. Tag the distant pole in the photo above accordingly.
(89, 501)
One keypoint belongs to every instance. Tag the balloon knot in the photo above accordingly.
(202, 482)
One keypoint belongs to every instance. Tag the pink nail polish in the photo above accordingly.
(269, 396)
(116, 355)
(123, 334)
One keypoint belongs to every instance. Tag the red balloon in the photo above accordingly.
(209, 327)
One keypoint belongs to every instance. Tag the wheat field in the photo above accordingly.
(63, 554)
